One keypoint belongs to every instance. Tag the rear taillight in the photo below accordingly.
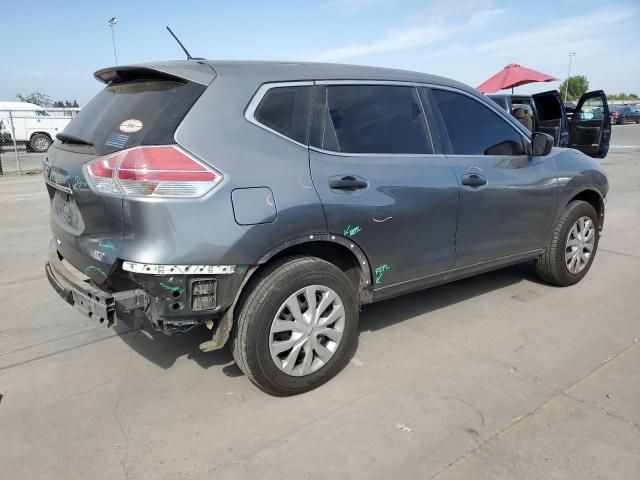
(101, 172)
(158, 171)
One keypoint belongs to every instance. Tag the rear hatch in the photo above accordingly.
(138, 107)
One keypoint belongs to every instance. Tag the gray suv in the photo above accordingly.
(270, 201)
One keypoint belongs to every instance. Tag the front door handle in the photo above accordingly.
(348, 183)
(473, 180)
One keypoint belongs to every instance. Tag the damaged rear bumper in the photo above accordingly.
(89, 300)
(172, 303)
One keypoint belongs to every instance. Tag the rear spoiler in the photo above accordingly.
(181, 71)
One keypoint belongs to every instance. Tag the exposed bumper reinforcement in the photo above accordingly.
(88, 299)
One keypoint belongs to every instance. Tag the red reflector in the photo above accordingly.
(106, 77)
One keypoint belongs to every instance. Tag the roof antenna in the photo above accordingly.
(189, 57)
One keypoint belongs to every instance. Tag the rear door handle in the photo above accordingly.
(348, 183)
(473, 180)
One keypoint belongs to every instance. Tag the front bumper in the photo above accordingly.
(89, 300)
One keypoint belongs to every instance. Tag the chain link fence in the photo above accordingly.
(26, 132)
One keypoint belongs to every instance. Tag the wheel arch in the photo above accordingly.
(593, 197)
(340, 251)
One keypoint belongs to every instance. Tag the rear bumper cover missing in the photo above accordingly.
(88, 299)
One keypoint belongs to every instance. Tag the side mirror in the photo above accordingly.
(542, 144)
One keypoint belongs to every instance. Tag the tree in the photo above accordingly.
(65, 104)
(36, 98)
(45, 101)
(622, 96)
(574, 87)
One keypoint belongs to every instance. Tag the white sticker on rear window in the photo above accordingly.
(131, 125)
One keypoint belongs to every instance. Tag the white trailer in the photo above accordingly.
(32, 125)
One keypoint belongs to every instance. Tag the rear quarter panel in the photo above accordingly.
(204, 231)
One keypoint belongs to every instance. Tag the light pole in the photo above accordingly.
(566, 88)
(112, 23)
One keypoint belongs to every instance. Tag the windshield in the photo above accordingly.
(138, 112)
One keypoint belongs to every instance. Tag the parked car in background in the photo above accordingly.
(270, 201)
(33, 125)
(621, 114)
(549, 115)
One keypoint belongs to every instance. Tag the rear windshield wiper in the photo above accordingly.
(67, 138)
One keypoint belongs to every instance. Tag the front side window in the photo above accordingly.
(286, 111)
(474, 129)
(379, 119)
(593, 109)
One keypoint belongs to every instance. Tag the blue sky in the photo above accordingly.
(57, 49)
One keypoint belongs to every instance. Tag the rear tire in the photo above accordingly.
(264, 320)
(40, 143)
(572, 247)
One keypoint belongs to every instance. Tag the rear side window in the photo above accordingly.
(371, 119)
(139, 112)
(286, 111)
(474, 129)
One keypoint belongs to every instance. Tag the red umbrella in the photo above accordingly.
(513, 75)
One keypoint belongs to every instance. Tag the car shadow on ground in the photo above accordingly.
(389, 312)
(164, 351)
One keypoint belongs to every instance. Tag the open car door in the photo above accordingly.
(551, 117)
(591, 125)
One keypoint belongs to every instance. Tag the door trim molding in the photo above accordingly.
(249, 112)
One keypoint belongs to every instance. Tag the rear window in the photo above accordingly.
(139, 112)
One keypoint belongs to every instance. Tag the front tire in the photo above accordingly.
(40, 143)
(572, 247)
(297, 326)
